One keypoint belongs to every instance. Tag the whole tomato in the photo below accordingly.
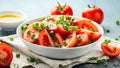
(94, 13)
(62, 10)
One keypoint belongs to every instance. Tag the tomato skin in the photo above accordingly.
(96, 14)
(71, 40)
(110, 50)
(86, 24)
(95, 35)
(44, 39)
(67, 10)
(6, 55)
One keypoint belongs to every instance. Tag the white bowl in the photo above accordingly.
(59, 53)
(12, 25)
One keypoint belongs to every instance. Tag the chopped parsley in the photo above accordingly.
(17, 55)
(11, 39)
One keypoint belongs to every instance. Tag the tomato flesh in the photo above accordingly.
(44, 39)
(110, 50)
(6, 55)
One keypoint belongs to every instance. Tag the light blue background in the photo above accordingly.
(39, 8)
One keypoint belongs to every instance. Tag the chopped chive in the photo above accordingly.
(75, 28)
(16, 66)
(117, 22)
(106, 41)
(17, 55)
(31, 59)
(93, 58)
(57, 45)
(108, 31)
(11, 39)
(24, 26)
(64, 42)
(99, 61)
(34, 37)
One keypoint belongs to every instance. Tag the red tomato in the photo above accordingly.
(95, 35)
(62, 10)
(86, 24)
(60, 29)
(83, 39)
(96, 14)
(6, 55)
(71, 40)
(110, 50)
(44, 39)
(60, 39)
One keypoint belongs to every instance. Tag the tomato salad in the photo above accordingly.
(61, 31)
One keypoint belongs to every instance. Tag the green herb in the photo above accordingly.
(117, 22)
(17, 55)
(108, 31)
(93, 58)
(57, 45)
(67, 28)
(16, 66)
(99, 61)
(33, 59)
(106, 41)
(42, 18)
(42, 24)
(64, 42)
(91, 29)
(11, 39)
(75, 27)
(116, 63)
(117, 39)
(24, 27)
(34, 37)
(28, 32)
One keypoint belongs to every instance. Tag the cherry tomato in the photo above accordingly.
(96, 14)
(83, 39)
(44, 39)
(110, 50)
(86, 24)
(60, 39)
(71, 40)
(6, 55)
(62, 10)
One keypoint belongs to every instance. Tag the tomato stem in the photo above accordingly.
(91, 7)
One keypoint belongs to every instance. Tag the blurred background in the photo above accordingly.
(40, 8)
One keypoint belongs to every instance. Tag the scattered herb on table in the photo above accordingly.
(18, 55)
(106, 41)
(16, 66)
(116, 39)
(117, 22)
(108, 31)
(11, 39)
(33, 59)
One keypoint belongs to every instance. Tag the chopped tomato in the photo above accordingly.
(83, 39)
(60, 29)
(6, 55)
(86, 24)
(95, 36)
(44, 39)
(59, 38)
(71, 40)
(110, 50)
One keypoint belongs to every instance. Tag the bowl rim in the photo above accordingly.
(31, 21)
(21, 13)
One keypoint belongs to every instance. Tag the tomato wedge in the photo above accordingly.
(83, 39)
(94, 36)
(86, 24)
(6, 55)
(110, 50)
(60, 39)
(44, 39)
(71, 40)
